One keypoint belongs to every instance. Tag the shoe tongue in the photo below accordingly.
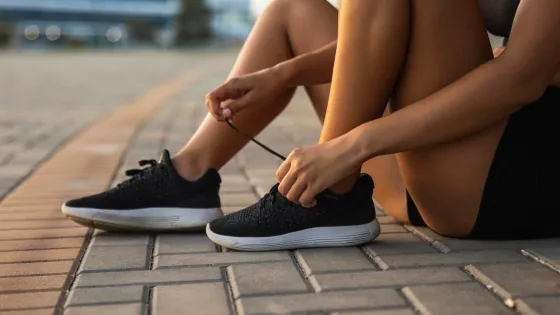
(165, 160)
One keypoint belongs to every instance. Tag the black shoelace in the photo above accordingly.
(274, 190)
(269, 150)
(142, 163)
(138, 174)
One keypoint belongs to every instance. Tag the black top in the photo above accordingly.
(498, 15)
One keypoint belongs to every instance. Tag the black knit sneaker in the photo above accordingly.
(155, 198)
(275, 223)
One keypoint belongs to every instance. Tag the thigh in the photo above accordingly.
(448, 39)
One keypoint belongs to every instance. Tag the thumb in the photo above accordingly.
(230, 90)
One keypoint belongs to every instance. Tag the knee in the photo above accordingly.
(289, 9)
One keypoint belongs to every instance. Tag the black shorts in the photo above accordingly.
(521, 197)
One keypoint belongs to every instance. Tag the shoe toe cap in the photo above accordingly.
(93, 201)
(219, 225)
(77, 203)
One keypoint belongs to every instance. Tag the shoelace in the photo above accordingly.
(142, 163)
(274, 190)
(137, 174)
(269, 150)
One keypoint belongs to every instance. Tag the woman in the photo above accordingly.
(473, 135)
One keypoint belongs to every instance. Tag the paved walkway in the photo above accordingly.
(71, 124)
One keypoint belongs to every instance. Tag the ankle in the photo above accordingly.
(188, 168)
(343, 186)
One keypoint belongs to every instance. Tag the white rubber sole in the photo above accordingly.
(152, 219)
(314, 237)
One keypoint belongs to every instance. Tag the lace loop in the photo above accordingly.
(142, 163)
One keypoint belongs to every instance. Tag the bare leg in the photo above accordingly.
(372, 49)
(390, 191)
(448, 39)
(286, 29)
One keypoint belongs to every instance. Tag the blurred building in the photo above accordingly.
(232, 19)
(46, 23)
(112, 23)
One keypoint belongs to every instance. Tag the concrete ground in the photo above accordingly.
(70, 124)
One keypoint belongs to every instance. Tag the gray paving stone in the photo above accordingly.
(398, 243)
(392, 228)
(452, 259)
(235, 179)
(183, 243)
(462, 245)
(199, 299)
(325, 302)
(549, 256)
(119, 294)
(386, 220)
(237, 199)
(235, 189)
(152, 277)
(423, 233)
(511, 280)
(228, 210)
(120, 309)
(264, 183)
(218, 259)
(539, 305)
(389, 278)
(113, 239)
(321, 260)
(99, 258)
(453, 299)
(266, 278)
(379, 312)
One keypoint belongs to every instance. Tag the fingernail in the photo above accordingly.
(226, 112)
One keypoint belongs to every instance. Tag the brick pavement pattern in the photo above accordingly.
(71, 124)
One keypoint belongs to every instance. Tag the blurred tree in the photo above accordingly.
(193, 22)
(6, 33)
(140, 30)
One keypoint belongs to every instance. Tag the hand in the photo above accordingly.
(244, 91)
(310, 170)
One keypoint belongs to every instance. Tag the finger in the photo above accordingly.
(283, 170)
(287, 183)
(227, 91)
(307, 197)
(226, 112)
(230, 109)
(296, 190)
(214, 103)
(212, 109)
(233, 89)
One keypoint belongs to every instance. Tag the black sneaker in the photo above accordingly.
(275, 223)
(155, 198)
